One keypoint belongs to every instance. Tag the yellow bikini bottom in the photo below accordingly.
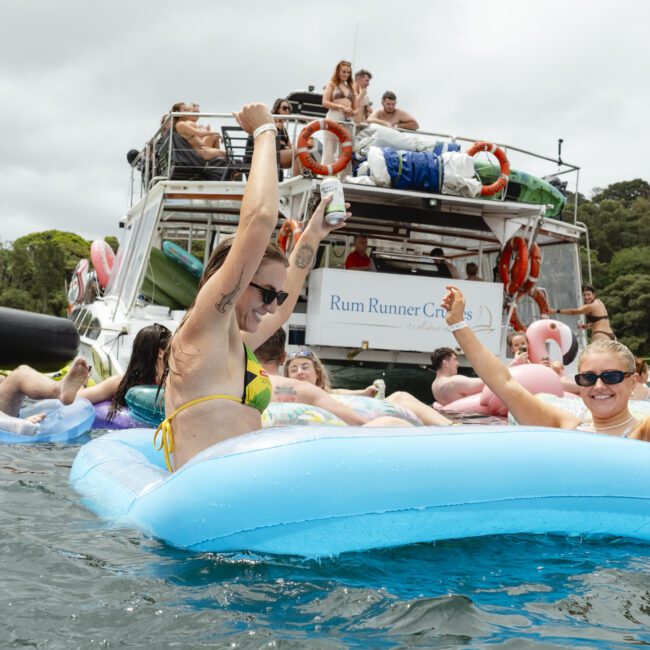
(165, 427)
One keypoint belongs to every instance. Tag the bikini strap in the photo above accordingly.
(165, 427)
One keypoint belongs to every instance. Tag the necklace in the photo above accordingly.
(613, 426)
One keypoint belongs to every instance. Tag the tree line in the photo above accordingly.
(35, 269)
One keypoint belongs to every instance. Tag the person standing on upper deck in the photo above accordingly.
(390, 115)
(340, 101)
(361, 82)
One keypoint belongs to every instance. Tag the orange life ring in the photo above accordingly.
(513, 278)
(540, 298)
(289, 235)
(499, 154)
(535, 256)
(308, 160)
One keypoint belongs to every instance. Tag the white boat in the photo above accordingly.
(388, 318)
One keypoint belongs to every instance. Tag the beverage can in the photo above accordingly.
(380, 385)
(335, 211)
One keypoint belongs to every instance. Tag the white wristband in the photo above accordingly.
(458, 326)
(269, 126)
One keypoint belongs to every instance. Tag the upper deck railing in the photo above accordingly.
(154, 162)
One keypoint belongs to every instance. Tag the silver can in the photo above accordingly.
(335, 211)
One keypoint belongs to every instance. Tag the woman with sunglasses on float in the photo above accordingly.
(606, 379)
(214, 386)
(306, 366)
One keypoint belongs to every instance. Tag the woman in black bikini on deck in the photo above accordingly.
(595, 314)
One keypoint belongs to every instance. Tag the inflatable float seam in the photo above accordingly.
(427, 508)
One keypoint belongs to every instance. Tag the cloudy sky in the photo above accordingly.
(82, 82)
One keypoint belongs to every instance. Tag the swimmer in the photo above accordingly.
(449, 386)
(306, 366)
(146, 367)
(606, 378)
(25, 382)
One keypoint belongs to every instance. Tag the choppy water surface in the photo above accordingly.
(66, 581)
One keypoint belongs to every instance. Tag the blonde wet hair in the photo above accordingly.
(604, 346)
(322, 376)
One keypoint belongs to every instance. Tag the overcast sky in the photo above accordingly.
(82, 82)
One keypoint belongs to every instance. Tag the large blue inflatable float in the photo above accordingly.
(61, 423)
(320, 491)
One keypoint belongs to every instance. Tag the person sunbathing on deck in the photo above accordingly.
(25, 382)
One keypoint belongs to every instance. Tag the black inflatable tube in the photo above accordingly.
(44, 342)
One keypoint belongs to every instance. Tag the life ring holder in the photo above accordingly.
(310, 162)
(289, 235)
(504, 165)
(513, 277)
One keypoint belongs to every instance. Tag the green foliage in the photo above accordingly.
(34, 272)
(625, 191)
(17, 299)
(112, 242)
(628, 303)
(627, 261)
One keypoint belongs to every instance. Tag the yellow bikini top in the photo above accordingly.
(257, 394)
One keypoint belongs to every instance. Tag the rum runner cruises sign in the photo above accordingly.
(395, 312)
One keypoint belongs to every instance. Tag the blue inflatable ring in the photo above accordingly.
(61, 424)
(320, 491)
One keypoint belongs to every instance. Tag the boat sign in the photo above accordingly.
(395, 312)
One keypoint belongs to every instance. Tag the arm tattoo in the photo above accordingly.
(226, 298)
(284, 393)
(304, 256)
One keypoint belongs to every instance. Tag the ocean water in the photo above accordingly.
(68, 581)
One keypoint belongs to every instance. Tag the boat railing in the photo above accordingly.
(154, 162)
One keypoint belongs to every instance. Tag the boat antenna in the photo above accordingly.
(559, 152)
(354, 49)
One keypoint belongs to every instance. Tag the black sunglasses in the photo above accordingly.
(269, 295)
(608, 377)
(284, 107)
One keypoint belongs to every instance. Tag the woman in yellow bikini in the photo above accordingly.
(215, 388)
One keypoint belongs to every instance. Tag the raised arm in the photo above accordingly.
(301, 261)
(525, 407)
(258, 217)
(102, 391)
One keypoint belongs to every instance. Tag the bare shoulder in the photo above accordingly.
(642, 431)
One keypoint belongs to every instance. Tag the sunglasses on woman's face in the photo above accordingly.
(269, 295)
(285, 108)
(608, 377)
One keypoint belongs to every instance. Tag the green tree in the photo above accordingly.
(17, 299)
(627, 261)
(625, 191)
(112, 242)
(628, 304)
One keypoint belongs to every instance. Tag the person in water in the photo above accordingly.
(146, 367)
(215, 388)
(449, 386)
(595, 314)
(272, 355)
(307, 367)
(25, 382)
(606, 378)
